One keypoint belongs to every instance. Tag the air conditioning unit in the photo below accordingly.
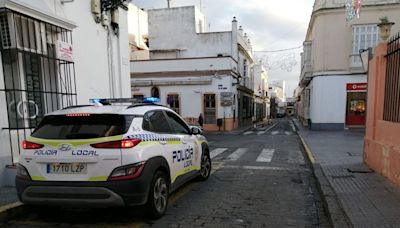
(18, 32)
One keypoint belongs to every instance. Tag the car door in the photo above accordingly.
(156, 123)
(186, 158)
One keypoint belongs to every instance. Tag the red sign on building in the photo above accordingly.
(357, 87)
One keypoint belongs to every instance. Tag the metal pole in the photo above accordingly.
(169, 3)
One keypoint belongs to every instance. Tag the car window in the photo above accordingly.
(177, 125)
(155, 121)
(71, 126)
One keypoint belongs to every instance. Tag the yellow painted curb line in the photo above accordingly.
(308, 151)
(10, 206)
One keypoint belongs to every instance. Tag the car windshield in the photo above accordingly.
(86, 126)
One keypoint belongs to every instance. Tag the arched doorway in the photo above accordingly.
(155, 92)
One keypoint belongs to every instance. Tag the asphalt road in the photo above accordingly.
(260, 179)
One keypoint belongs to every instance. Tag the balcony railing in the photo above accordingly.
(355, 62)
(306, 72)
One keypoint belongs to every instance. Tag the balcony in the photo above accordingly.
(355, 63)
(306, 64)
(306, 73)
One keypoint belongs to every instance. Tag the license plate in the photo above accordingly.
(67, 168)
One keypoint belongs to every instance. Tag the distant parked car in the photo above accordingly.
(280, 114)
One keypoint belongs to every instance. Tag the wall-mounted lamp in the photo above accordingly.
(366, 58)
(238, 80)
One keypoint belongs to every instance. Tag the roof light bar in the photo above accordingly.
(108, 101)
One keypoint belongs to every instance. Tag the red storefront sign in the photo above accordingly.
(357, 87)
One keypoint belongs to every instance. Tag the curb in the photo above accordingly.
(332, 207)
(10, 210)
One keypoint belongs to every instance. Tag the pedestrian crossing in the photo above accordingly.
(217, 152)
(276, 132)
(237, 154)
(265, 155)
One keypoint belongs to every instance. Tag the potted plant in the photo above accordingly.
(385, 26)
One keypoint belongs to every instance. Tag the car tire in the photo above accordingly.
(205, 167)
(157, 201)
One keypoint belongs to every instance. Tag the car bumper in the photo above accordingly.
(84, 194)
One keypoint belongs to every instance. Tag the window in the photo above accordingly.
(364, 37)
(209, 109)
(155, 121)
(82, 127)
(177, 125)
(155, 92)
(173, 101)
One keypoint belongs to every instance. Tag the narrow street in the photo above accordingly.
(260, 179)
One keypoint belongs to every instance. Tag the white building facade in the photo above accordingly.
(333, 77)
(56, 54)
(261, 101)
(197, 72)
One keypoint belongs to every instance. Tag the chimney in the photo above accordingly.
(241, 30)
(234, 25)
(234, 48)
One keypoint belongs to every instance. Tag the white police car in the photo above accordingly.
(110, 155)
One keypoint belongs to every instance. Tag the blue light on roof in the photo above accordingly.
(151, 100)
(94, 101)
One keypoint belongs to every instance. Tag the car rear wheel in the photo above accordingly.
(158, 196)
(205, 168)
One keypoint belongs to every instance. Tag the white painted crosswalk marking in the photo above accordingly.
(247, 133)
(260, 132)
(214, 153)
(266, 155)
(293, 127)
(237, 154)
(274, 132)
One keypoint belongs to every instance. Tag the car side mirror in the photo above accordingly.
(194, 130)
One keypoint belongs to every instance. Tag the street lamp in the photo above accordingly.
(365, 54)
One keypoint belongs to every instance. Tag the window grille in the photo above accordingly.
(209, 109)
(36, 81)
(173, 101)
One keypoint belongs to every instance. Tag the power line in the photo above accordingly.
(287, 49)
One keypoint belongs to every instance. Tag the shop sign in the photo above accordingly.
(64, 51)
(226, 99)
(357, 87)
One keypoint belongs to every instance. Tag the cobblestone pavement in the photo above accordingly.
(258, 180)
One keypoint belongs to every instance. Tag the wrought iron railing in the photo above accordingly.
(392, 83)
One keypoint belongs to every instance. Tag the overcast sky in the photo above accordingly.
(271, 25)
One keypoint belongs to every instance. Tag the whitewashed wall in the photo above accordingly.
(92, 65)
(328, 97)
(179, 25)
(191, 96)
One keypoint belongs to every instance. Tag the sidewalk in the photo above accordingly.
(367, 198)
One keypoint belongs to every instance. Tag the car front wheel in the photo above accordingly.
(205, 169)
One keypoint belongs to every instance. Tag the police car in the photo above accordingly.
(111, 155)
